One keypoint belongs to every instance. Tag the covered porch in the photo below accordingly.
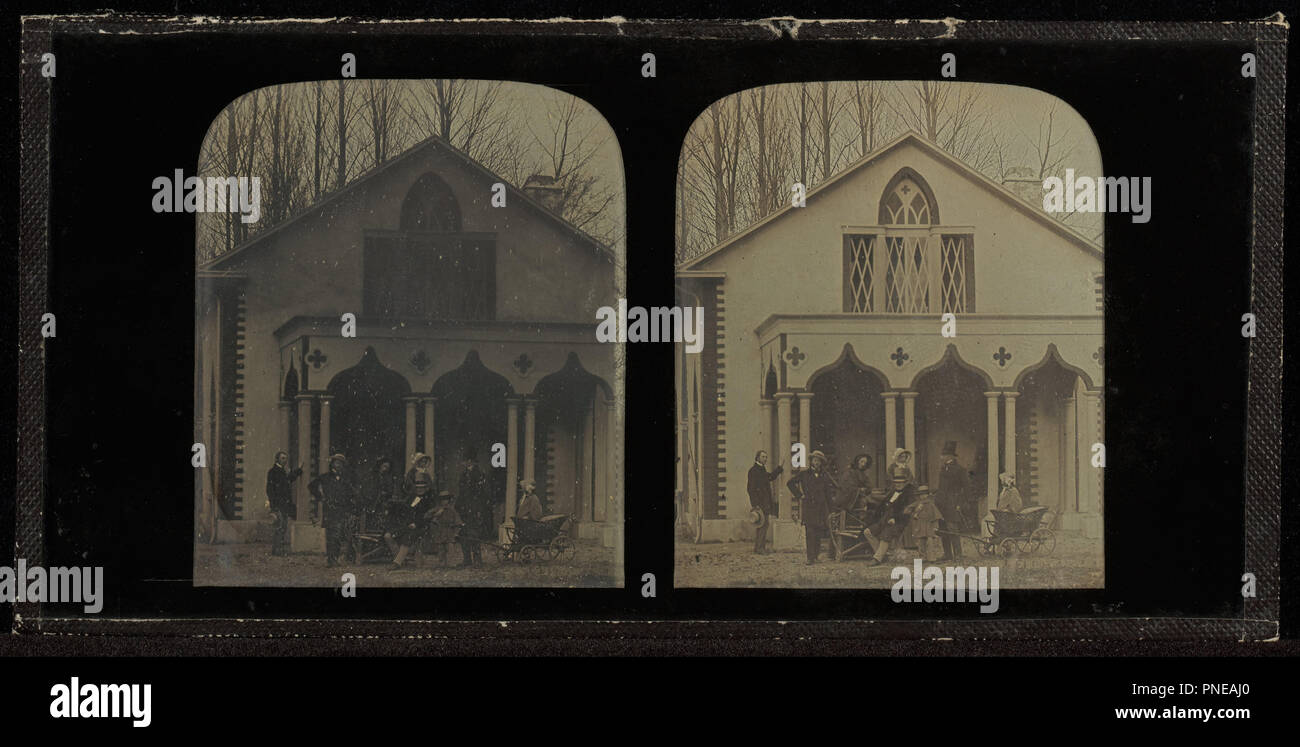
(529, 400)
(1017, 394)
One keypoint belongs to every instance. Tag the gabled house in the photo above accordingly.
(474, 326)
(824, 327)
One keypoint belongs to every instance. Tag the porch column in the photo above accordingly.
(1009, 434)
(428, 427)
(325, 452)
(1070, 460)
(1089, 476)
(600, 461)
(512, 457)
(891, 424)
(301, 497)
(991, 496)
(530, 439)
(587, 494)
(766, 407)
(783, 399)
(805, 421)
(410, 426)
(284, 407)
(909, 425)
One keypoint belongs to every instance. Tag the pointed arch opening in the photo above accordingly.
(367, 415)
(573, 407)
(907, 200)
(848, 413)
(1053, 355)
(951, 408)
(469, 418)
(849, 356)
(430, 206)
(1046, 428)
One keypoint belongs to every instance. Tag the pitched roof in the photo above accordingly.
(433, 141)
(932, 149)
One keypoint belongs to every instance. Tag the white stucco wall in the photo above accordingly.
(794, 265)
(313, 267)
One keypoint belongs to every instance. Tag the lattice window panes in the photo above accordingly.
(861, 273)
(952, 274)
(908, 279)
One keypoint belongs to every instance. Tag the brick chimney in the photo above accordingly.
(1021, 181)
(543, 190)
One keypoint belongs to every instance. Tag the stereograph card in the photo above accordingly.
(967, 329)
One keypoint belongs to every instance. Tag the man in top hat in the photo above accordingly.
(760, 499)
(334, 501)
(815, 489)
(475, 507)
(951, 498)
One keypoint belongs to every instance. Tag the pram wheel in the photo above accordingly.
(562, 547)
(526, 554)
(1045, 540)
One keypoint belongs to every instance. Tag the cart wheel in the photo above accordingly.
(563, 548)
(1007, 547)
(527, 554)
(1045, 538)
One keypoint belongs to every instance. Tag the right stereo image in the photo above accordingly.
(903, 356)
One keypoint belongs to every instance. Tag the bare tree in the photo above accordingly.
(1051, 147)
(282, 159)
(715, 171)
(568, 151)
(868, 114)
(475, 117)
(305, 140)
(381, 104)
(831, 144)
(348, 151)
(952, 115)
(318, 109)
(802, 116)
(767, 157)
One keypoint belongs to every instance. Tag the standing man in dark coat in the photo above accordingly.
(475, 508)
(279, 498)
(334, 499)
(815, 489)
(760, 498)
(951, 499)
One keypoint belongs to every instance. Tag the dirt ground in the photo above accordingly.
(253, 565)
(1075, 563)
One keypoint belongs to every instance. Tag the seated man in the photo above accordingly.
(408, 520)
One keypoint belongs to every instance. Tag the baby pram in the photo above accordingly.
(546, 539)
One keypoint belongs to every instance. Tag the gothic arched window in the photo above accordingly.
(909, 264)
(908, 202)
(430, 206)
(429, 269)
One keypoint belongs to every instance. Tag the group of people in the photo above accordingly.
(893, 515)
(410, 510)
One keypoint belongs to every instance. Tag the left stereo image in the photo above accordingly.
(396, 370)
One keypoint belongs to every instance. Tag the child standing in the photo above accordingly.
(924, 526)
(446, 524)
